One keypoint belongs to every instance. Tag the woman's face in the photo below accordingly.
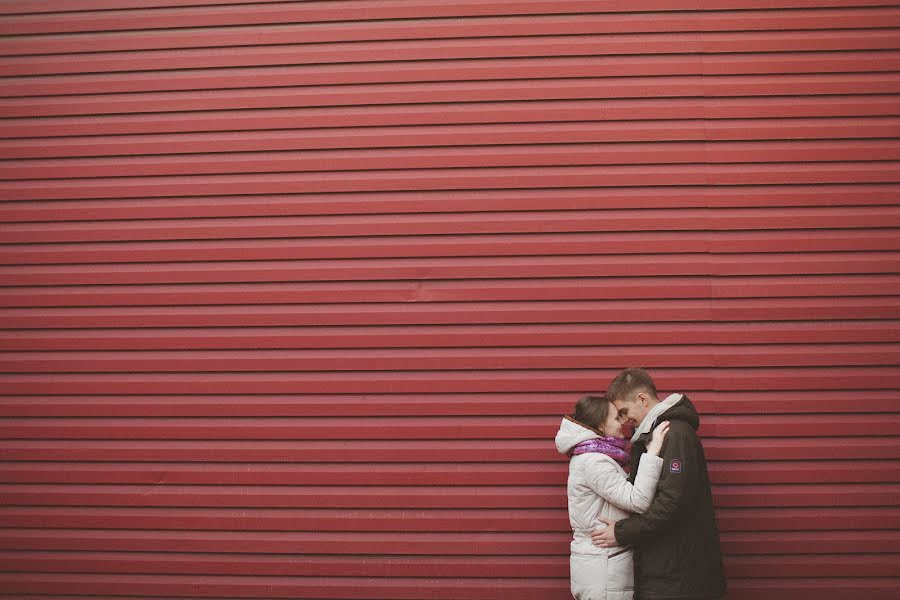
(613, 426)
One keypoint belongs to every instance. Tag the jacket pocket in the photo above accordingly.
(660, 558)
(620, 572)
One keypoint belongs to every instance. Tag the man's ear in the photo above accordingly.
(643, 399)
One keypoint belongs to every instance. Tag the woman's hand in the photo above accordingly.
(659, 434)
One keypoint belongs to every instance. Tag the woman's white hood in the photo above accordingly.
(572, 433)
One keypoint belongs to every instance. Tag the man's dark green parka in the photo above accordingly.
(676, 542)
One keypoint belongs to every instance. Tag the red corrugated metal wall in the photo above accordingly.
(295, 293)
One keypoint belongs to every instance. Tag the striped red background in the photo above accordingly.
(294, 294)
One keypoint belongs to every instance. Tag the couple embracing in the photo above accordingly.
(643, 520)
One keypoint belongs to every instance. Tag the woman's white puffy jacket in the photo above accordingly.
(599, 487)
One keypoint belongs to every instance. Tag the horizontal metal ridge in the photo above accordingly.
(754, 402)
(488, 359)
(415, 474)
(709, 43)
(770, 131)
(608, 110)
(579, 88)
(859, 565)
(409, 160)
(185, 13)
(415, 451)
(481, 69)
(73, 33)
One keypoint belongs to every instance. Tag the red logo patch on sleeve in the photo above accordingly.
(675, 466)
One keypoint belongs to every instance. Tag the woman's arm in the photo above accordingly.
(613, 487)
(609, 483)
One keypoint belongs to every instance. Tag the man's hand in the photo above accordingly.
(606, 537)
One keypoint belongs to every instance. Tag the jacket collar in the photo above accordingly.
(572, 433)
(647, 424)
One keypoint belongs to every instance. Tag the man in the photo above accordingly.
(676, 541)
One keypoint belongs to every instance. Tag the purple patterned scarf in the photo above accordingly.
(613, 447)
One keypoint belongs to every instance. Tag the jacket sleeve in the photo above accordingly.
(677, 486)
(609, 483)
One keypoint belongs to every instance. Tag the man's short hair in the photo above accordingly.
(630, 382)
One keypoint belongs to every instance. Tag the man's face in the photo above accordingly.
(634, 409)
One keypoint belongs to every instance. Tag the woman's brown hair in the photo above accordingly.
(592, 411)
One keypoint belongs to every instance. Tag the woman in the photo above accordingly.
(598, 487)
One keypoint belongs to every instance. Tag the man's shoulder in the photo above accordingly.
(683, 431)
(680, 425)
